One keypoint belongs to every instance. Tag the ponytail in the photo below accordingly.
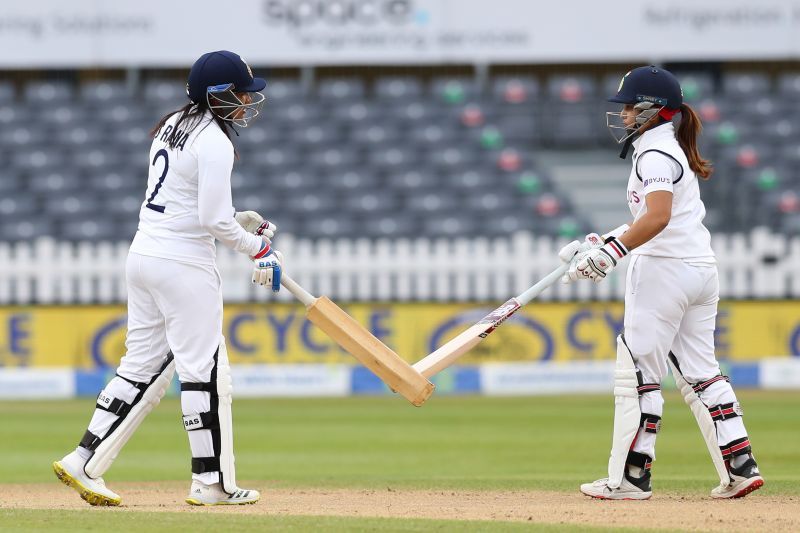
(189, 117)
(688, 131)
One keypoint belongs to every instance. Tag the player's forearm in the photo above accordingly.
(215, 209)
(644, 229)
(231, 234)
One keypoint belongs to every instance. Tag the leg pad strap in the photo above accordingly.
(197, 421)
(201, 465)
(736, 447)
(651, 423)
(641, 460)
(725, 411)
(703, 385)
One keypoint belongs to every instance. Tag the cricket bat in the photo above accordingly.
(361, 344)
(447, 354)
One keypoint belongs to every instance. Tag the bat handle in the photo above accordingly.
(537, 289)
(299, 292)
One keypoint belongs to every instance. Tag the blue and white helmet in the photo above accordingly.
(221, 75)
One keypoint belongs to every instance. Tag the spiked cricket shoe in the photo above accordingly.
(744, 480)
(631, 488)
(69, 471)
(202, 494)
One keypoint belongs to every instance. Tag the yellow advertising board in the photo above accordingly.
(92, 336)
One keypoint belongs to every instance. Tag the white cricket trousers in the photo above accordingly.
(671, 305)
(177, 307)
(172, 306)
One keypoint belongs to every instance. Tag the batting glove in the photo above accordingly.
(595, 264)
(267, 267)
(252, 222)
(592, 240)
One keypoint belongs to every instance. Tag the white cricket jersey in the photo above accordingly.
(659, 164)
(188, 200)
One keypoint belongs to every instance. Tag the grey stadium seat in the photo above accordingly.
(369, 202)
(49, 92)
(7, 93)
(351, 180)
(452, 224)
(281, 91)
(56, 182)
(19, 204)
(397, 88)
(91, 229)
(24, 227)
(165, 94)
(75, 206)
(105, 92)
(745, 86)
(340, 89)
(396, 224)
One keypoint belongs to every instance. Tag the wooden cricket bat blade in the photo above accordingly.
(447, 354)
(369, 350)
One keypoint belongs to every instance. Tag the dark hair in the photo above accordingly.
(688, 131)
(190, 116)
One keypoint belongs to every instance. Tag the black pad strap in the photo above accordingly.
(725, 411)
(90, 441)
(736, 447)
(703, 385)
(651, 423)
(113, 405)
(201, 465)
(641, 460)
(141, 386)
(203, 387)
(647, 387)
(197, 421)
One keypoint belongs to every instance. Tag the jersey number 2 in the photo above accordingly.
(150, 204)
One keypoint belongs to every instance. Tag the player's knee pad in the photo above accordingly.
(129, 416)
(217, 420)
(628, 417)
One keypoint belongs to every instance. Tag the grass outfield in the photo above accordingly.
(382, 443)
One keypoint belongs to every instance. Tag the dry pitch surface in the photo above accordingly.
(757, 512)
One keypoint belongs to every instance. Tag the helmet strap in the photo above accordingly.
(627, 145)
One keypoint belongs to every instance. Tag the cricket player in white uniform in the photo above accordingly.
(672, 290)
(174, 294)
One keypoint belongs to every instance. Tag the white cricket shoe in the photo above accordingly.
(630, 489)
(744, 480)
(94, 491)
(202, 494)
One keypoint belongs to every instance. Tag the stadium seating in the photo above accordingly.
(391, 156)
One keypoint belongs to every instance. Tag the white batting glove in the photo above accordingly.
(595, 264)
(252, 222)
(267, 267)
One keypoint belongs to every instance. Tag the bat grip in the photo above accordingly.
(299, 292)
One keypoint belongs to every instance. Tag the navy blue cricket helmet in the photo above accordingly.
(223, 74)
(649, 84)
(221, 68)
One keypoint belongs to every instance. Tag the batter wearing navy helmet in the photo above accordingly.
(671, 295)
(174, 296)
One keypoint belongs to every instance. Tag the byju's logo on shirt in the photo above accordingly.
(655, 181)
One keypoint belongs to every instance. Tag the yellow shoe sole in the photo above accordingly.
(90, 497)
